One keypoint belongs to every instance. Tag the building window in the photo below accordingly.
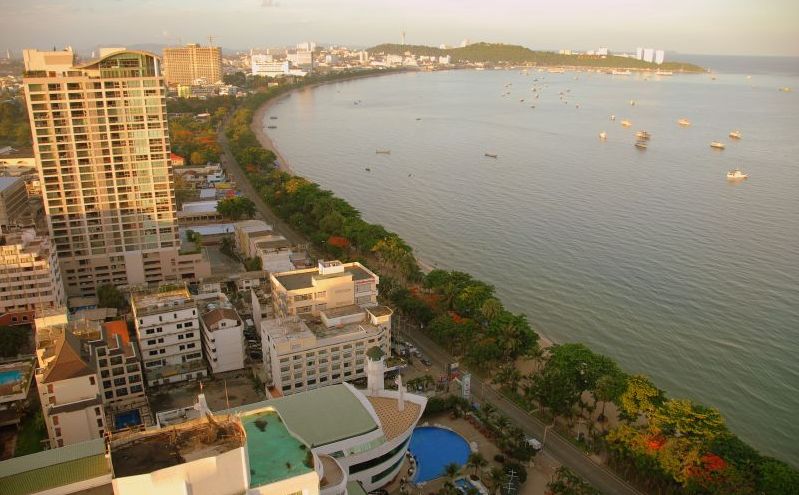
(60, 442)
(109, 394)
(92, 380)
(55, 420)
(135, 389)
(99, 422)
(103, 363)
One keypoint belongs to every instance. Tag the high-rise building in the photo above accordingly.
(659, 56)
(639, 53)
(101, 144)
(186, 64)
(30, 278)
(649, 55)
(13, 201)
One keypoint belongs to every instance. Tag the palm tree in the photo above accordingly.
(451, 470)
(496, 476)
(476, 461)
(491, 308)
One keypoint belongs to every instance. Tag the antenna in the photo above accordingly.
(403, 38)
(211, 39)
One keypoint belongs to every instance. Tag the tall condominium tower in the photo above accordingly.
(186, 64)
(101, 144)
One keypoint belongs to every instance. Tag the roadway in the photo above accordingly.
(557, 447)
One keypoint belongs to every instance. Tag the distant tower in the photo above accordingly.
(8, 54)
(403, 38)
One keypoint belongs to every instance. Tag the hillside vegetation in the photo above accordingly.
(497, 53)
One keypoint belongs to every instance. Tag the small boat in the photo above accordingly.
(271, 127)
(626, 123)
(735, 134)
(273, 117)
(383, 152)
(632, 102)
(717, 145)
(786, 89)
(368, 169)
(641, 145)
(532, 106)
(556, 70)
(684, 122)
(491, 155)
(603, 135)
(736, 174)
(612, 117)
(418, 118)
(664, 73)
(620, 73)
(643, 135)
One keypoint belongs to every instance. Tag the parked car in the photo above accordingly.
(426, 361)
(534, 443)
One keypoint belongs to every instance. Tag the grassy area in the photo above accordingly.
(31, 434)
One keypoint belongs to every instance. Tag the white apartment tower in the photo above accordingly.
(101, 144)
(168, 331)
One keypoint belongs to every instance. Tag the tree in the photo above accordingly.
(451, 470)
(565, 482)
(14, 340)
(108, 296)
(640, 397)
(477, 462)
(197, 158)
(491, 309)
(609, 388)
(236, 207)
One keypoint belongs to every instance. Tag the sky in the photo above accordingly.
(724, 27)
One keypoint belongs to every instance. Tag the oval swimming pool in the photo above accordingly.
(434, 448)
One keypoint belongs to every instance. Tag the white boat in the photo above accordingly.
(641, 145)
(620, 73)
(717, 145)
(643, 135)
(626, 123)
(603, 135)
(664, 73)
(632, 102)
(684, 122)
(612, 117)
(737, 174)
(735, 134)
(556, 70)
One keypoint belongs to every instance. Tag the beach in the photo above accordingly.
(258, 129)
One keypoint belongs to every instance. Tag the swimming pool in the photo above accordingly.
(434, 448)
(127, 418)
(10, 376)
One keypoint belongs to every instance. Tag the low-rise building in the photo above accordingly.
(30, 277)
(222, 333)
(69, 390)
(332, 284)
(198, 213)
(257, 239)
(303, 353)
(168, 333)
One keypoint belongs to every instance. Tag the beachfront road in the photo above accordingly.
(235, 172)
(555, 446)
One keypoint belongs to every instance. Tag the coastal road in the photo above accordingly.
(557, 447)
(235, 172)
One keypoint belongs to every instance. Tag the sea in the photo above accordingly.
(649, 256)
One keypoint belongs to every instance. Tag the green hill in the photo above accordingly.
(497, 53)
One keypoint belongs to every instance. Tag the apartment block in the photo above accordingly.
(69, 390)
(30, 277)
(332, 284)
(101, 145)
(190, 63)
(306, 352)
(13, 202)
(257, 239)
(168, 333)
(222, 333)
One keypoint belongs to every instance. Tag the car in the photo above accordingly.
(426, 361)
(534, 443)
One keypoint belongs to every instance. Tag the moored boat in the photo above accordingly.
(603, 135)
(641, 145)
(684, 122)
(383, 152)
(737, 174)
(490, 155)
(735, 134)
(643, 135)
(717, 145)
(626, 123)
(664, 73)
(621, 72)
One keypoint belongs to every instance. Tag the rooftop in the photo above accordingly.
(394, 421)
(144, 452)
(200, 206)
(321, 416)
(295, 327)
(274, 453)
(302, 279)
(15, 379)
(68, 360)
(6, 182)
(167, 297)
(53, 468)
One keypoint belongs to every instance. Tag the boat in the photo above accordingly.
(643, 135)
(273, 117)
(383, 152)
(271, 127)
(735, 134)
(620, 73)
(368, 169)
(556, 70)
(684, 122)
(632, 102)
(717, 145)
(641, 145)
(491, 155)
(737, 174)
(786, 89)
(612, 117)
(664, 73)
(626, 123)
(603, 135)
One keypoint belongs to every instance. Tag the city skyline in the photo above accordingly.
(729, 28)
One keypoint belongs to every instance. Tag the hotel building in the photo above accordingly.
(222, 333)
(168, 331)
(30, 277)
(187, 64)
(101, 145)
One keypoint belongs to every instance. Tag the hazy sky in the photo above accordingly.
(750, 27)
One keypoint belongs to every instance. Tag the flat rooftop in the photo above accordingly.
(273, 452)
(303, 279)
(148, 451)
(148, 301)
(200, 206)
(291, 328)
(321, 416)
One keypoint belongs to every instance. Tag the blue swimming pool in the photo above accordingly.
(10, 376)
(464, 485)
(127, 418)
(434, 448)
